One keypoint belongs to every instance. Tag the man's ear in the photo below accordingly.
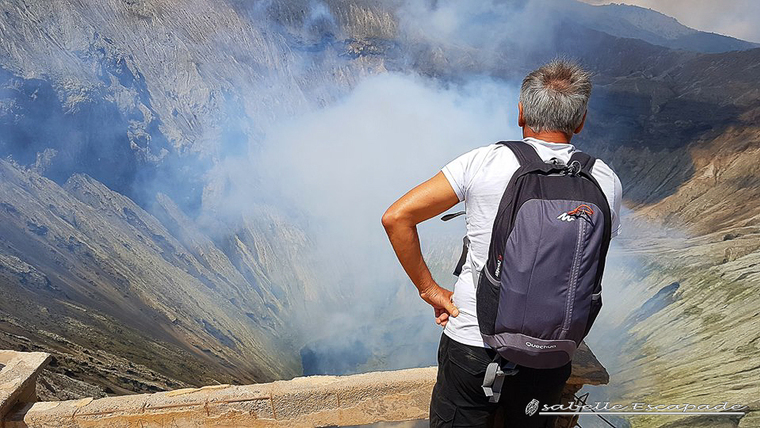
(520, 119)
(583, 122)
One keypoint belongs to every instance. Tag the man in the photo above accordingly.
(552, 108)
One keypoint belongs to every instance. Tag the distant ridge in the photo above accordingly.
(635, 22)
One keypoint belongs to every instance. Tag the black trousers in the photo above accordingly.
(458, 399)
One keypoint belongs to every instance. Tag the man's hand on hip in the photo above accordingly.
(440, 299)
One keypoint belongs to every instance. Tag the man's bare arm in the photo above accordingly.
(425, 201)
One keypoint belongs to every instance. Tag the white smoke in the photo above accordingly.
(340, 167)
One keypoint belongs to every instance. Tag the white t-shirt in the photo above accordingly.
(479, 178)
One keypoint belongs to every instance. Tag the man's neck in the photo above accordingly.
(550, 136)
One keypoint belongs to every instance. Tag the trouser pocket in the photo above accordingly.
(442, 412)
(458, 399)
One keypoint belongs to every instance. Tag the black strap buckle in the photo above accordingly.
(574, 168)
(556, 162)
(494, 378)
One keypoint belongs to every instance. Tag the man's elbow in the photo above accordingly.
(391, 218)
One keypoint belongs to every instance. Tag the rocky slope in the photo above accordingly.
(200, 297)
(684, 310)
(85, 270)
(714, 312)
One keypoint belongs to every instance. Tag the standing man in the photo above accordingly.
(552, 108)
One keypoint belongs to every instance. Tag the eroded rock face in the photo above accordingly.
(702, 340)
(104, 98)
(125, 85)
(111, 277)
(14, 269)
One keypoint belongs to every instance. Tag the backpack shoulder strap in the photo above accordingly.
(586, 160)
(587, 166)
(525, 154)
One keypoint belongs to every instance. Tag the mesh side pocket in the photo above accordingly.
(596, 306)
(487, 303)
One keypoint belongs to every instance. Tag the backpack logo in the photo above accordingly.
(533, 345)
(573, 214)
(532, 407)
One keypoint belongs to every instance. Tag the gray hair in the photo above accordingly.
(555, 96)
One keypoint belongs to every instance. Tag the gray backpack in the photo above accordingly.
(540, 289)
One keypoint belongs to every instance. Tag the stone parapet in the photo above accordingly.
(302, 402)
(315, 401)
(18, 378)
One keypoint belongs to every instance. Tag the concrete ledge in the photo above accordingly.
(301, 402)
(18, 377)
(316, 401)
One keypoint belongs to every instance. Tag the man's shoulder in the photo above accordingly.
(492, 155)
(482, 150)
(602, 169)
(476, 157)
(491, 161)
(493, 150)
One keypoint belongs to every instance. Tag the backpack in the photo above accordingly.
(539, 291)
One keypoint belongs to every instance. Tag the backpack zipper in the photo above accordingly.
(574, 272)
